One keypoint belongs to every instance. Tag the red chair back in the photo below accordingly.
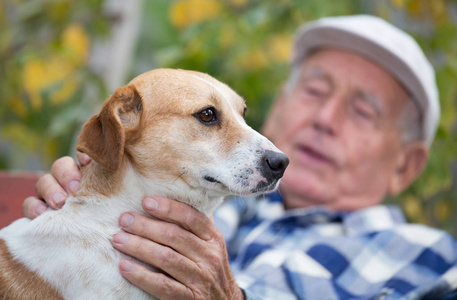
(14, 188)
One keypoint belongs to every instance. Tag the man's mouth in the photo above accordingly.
(316, 157)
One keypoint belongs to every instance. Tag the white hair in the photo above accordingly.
(409, 122)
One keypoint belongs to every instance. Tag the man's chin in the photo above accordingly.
(301, 191)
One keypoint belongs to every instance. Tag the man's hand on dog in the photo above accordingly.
(185, 244)
(54, 188)
(182, 242)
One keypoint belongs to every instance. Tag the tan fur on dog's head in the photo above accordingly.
(183, 134)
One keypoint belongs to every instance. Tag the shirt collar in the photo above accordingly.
(363, 221)
(373, 219)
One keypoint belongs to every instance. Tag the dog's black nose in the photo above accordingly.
(274, 164)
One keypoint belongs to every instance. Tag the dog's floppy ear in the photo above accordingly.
(104, 136)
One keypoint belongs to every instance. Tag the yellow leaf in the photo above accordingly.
(58, 11)
(34, 76)
(227, 37)
(398, 3)
(41, 75)
(186, 12)
(442, 211)
(61, 71)
(238, 3)
(280, 47)
(414, 7)
(253, 60)
(413, 208)
(75, 44)
(439, 11)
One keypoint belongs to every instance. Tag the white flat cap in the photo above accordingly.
(389, 47)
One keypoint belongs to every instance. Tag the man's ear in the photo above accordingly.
(270, 126)
(105, 135)
(410, 164)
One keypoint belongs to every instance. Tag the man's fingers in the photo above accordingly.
(33, 207)
(67, 174)
(164, 233)
(181, 214)
(54, 188)
(182, 242)
(51, 191)
(157, 284)
(165, 258)
(83, 158)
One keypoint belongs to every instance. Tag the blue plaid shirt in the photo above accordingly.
(314, 253)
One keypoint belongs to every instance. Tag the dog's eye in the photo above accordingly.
(207, 116)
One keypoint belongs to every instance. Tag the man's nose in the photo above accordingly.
(328, 117)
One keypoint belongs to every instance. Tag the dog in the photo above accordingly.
(172, 133)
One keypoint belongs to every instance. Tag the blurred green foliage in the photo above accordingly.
(243, 43)
(44, 53)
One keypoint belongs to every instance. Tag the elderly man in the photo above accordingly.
(356, 119)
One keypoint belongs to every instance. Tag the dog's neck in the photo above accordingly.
(127, 188)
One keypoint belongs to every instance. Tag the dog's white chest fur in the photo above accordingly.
(71, 248)
(73, 254)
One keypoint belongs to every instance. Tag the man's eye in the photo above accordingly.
(316, 88)
(365, 111)
(207, 115)
(314, 92)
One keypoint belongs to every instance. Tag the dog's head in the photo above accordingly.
(185, 131)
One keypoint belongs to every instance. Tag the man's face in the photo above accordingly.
(338, 126)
